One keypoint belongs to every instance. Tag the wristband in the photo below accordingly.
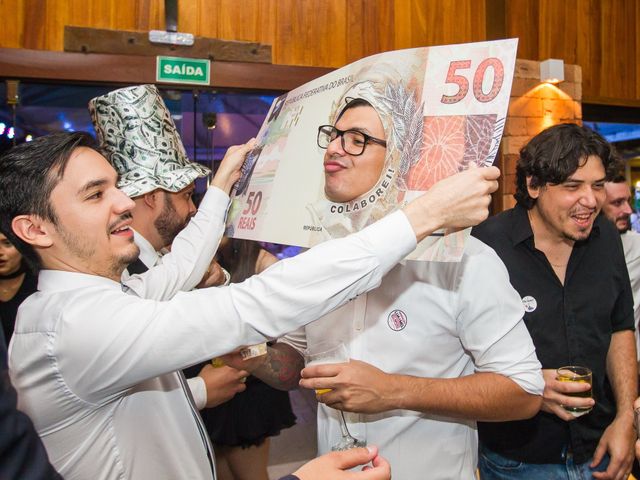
(227, 277)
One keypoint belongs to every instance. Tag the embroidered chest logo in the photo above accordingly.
(529, 303)
(397, 320)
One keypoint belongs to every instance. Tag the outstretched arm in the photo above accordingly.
(195, 246)
(286, 296)
(459, 201)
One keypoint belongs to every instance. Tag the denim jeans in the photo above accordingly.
(496, 467)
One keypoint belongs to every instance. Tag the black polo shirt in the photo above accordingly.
(569, 325)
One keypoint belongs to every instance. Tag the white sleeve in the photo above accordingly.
(631, 244)
(491, 325)
(191, 252)
(198, 391)
(296, 340)
(144, 338)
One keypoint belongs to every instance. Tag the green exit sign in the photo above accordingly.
(183, 70)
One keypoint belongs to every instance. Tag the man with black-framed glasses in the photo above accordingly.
(352, 165)
(437, 346)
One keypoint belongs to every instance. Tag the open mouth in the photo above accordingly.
(583, 219)
(123, 231)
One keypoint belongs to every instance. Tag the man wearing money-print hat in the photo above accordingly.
(140, 140)
(437, 346)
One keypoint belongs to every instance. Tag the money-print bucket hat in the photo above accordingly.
(139, 138)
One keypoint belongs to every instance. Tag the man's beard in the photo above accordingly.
(627, 225)
(577, 238)
(85, 250)
(169, 224)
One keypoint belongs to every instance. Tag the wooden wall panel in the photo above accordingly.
(39, 24)
(11, 31)
(618, 59)
(588, 50)
(452, 21)
(522, 19)
(35, 16)
(370, 28)
(327, 33)
(600, 35)
(402, 20)
(637, 49)
(425, 23)
(560, 37)
(315, 30)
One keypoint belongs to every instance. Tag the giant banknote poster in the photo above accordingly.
(442, 109)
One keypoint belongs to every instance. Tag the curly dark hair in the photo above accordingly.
(28, 174)
(619, 171)
(555, 154)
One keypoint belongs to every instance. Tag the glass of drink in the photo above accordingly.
(326, 353)
(575, 373)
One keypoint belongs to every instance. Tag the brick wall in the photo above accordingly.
(533, 107)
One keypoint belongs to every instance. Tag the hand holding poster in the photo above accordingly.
(342, 151)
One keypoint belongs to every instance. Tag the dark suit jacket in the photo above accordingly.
(22, 454)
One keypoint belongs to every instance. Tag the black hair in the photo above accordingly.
(619, 174)
(28, 174)
(239, 258)
(555, 154)
(353, 103)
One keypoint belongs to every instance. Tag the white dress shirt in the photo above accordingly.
(151, 258)
(631, 246)
(182, 268)
(437, 320)
(95, 367)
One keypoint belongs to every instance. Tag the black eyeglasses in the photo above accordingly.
(353, 141)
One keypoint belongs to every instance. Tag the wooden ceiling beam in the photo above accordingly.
(99, 68)
(122, 42)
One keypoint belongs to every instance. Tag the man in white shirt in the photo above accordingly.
(617, 208)
(437, 346)
(161, 182)
(94, 361)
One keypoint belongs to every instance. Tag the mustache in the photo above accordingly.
(121, 218)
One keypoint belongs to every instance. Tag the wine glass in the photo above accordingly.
(326, 353)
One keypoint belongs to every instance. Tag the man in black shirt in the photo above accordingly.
(567, 263)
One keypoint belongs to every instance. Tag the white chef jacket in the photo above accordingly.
(95, 367)
(430, 319)
(631, 246)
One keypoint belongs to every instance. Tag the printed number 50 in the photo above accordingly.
(478, 78)
(254, 199)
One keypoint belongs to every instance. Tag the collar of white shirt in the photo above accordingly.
(59, 281)
(148, 254)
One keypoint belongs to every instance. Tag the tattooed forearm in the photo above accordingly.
(281, 368)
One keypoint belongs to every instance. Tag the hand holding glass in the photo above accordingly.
(328, 353)
(576, 374)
